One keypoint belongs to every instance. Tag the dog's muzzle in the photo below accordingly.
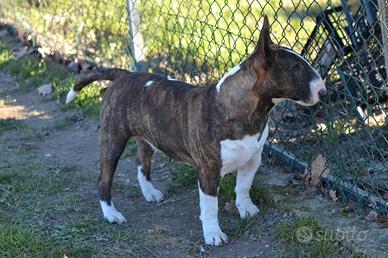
(317, 91)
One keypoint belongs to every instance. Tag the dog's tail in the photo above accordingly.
(110, 74)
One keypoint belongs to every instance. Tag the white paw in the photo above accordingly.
(246, 208)
(149, 192)
(153, 195)
(111, 214)
(215, 238)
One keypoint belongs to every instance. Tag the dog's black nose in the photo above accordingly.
(322, 93)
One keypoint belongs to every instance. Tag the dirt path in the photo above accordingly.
(63, 146)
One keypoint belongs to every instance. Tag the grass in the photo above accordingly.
(9, 124)
(227, 193)
(130, 148)
(48, 221)
(82, 29)
(22, 241)
(305, 236)
(40, 211)
(182, 175)
(63, 123)
(31, 72)
(195, 44)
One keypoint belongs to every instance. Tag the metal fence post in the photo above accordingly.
(383, 10)
(136, 43)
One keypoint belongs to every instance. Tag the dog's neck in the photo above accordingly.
(240, 98)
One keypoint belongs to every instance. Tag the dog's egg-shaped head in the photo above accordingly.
(281, 73)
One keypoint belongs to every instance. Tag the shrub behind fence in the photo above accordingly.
(198, 41)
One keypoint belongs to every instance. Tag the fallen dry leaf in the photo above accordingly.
(382, 221)
(383, 224)
(317, 170)
(371, 216)
(333, 195)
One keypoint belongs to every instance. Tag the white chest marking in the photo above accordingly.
(236, 153)
(230, 73)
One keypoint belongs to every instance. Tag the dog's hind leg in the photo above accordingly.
(113, 140)
(143, 159)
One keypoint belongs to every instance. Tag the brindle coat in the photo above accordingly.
(188, 123)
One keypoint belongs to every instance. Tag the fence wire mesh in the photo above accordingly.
(198, 41)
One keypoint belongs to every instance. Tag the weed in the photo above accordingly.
(5, 54)
(183, 175)
(9, 124)
(134, 191)
(257, 194)
(130, 148)
(31, 134)
(31, 72)
(305, 236)
(159, 237)
(88, 100)
(22, 241)
(63, 123)
(7, 178)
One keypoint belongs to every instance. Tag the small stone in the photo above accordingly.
(252, 237)
(201, 249)
(73, 66)
(101, 238)
(371, 216)
(45, 89)
(59, 58)
(85, 66)
(3, 33)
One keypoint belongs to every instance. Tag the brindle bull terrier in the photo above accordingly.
(218, 129)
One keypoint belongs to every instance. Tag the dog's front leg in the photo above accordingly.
(245, 176)
(208, 202)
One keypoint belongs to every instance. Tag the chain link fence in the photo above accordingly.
(198, 41)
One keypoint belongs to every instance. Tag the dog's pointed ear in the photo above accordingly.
(261, 59)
